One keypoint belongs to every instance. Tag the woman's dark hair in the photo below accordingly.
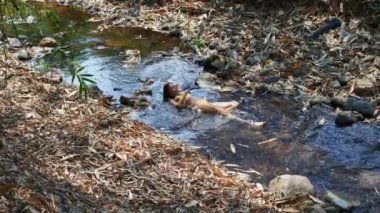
(166, 92)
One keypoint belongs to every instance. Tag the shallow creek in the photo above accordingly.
(344, 160)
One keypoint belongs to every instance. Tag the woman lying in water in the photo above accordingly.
(183, 99)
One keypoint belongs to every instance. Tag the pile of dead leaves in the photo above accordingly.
(61, 153)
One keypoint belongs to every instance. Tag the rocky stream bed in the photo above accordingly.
(302, 135)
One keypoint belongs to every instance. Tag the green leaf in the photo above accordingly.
(89, 80)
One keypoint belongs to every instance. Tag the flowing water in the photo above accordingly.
(344, 160)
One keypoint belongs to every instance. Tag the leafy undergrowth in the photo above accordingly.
(59, 153)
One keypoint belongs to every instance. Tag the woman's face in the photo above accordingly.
(173, 90)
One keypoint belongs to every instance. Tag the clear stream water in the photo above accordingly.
(344, 160)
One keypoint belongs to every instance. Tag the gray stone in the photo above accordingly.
(30, 20)
(291, 186)
(271, 80)
(363, 85)
(128, 101)
(252, 60)
(345, 118)
(219, 64)
(48, 42)
(363, 107)
(175, 33)
(14, 42)
(319, 101)
(338, 101)
(335, 84)
(344, 79)
(23, 55)
(209, 61)
(1, 34)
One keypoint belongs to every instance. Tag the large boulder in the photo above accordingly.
(291, 186)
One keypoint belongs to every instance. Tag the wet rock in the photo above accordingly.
(231, 64)
(95, 90)
(14, 42)
(30, 20)
(345, 118)
(168, 26)
(319, 101)
(344, 79)
(23, 55)
(271, 80)
(207, 80)
(48, 42)
(331, 209)
(133, 101)
(335, 84)
(1, 34)
(128, 101)
(291, 186)
(338, 201)
(117, 89)
(208, 63)
(219, 64)
(144, 91)
(175, 33)
(338, 101)
(252, 60)
(363, 107)
(313, 209)
(363, 85)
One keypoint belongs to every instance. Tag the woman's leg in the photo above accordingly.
(226, 105)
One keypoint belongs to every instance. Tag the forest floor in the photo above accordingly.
(60, 153)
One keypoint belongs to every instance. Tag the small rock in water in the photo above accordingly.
(117, 89)
(175, 33)
(319, 101)
(23, 55)
(291, 186)
(338, 101)
(345, 118)
(48, 42)
(14, 42)
(363, 85)
(207, 64)
(30, 20)
(363, 107)
(338, 201)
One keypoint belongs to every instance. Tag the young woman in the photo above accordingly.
(182, 99)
